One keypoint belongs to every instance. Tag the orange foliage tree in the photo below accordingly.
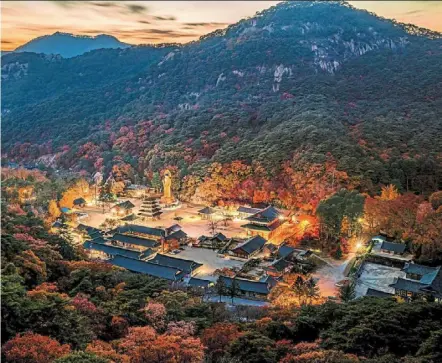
(35, 348)
(218, 337)
(53, 210)
(389, 192)
(105, 350)
(80, 189)
(142, 344)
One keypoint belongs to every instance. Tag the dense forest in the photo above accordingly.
(59, 307)
(297, 86)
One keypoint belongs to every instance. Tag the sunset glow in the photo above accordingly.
(141, 22)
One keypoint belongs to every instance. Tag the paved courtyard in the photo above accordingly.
(191, 222)
(210, 260)
(378, 277)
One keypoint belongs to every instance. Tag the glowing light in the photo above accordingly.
(360, 220)
(281, 217)
(358, 245)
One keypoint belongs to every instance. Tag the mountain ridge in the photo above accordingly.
(69, 45)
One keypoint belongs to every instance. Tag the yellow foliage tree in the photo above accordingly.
(117, 187)
(80, 189)
(53, 210)
(67, 200)
(389, 192)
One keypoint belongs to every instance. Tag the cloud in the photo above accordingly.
(195, 25)
(136, 8)
(164, 18)
(413, 12)
(144, 22)
(7, 41)
(104, 4)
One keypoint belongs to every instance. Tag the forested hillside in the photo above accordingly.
(292, 87)
(59, 307)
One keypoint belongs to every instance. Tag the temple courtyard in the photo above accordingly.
(186, 216)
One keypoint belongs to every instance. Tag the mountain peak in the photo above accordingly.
(70, 45)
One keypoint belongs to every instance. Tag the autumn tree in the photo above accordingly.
(82, 357)
(35, 348)
(105, 350)
(253, 347)
(218, 337)
(436, 200)
(53, 210)
(389, 192)
(31, 267)
(155, 314)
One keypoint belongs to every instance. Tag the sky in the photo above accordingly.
(141, 22)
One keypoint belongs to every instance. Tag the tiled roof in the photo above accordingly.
(251, 245)
(79, 201)
(247, 285)
(148, 268)
(135, 240)
(429, 277)
(219, 236)
(124, 205)
(408, 285)
(99, 239)
(248, 210)
(378, 293)
(206, 210)
(173, 228)
(134, 228)
(199, 282)
(414, 268)
(186, 266)
(256, 227)
(91, 231)
(285, 251)
(177, 235)
(280, 265)
(266, 215)
(393, 247)
(436, 284)
(130, 217)
(112, 250)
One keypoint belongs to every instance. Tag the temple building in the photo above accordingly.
(105, 251)
(264, 223)
(165, 240)
(150, 209)
(421, 282)
(189, 267)
(250, 247)
(123, 209)
(249, 288)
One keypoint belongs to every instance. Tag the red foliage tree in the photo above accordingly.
(35, 348)
(218, 337)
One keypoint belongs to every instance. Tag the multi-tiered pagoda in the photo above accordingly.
(150, 209)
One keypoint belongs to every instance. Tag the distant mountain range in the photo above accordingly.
(69, 45)
(314, 78)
